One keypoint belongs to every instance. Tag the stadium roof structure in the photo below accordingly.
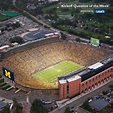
(73, 78)
(99, 104)
(62, 81)
(108, 59)
(2, 104)
(37, 34)
(95, 66)
(69, 79)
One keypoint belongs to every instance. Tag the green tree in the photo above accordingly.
(17, 108)
(104, 92)
(63, 36)
(111, 87)
(67, 110)
(16, 39)
(77, 39)
(37, 107)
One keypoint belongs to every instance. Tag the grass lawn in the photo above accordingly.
(2, 80)
(6, 87)
(7, 15)
(52, 73)
(3, 84)
(3, 17)
(63, 27)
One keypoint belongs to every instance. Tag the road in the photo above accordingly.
(38, 20)
(77, 101)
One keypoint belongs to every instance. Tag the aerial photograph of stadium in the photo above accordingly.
(56, 56)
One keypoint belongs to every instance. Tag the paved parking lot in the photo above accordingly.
(26, 24)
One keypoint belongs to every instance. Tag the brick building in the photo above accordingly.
(86, 79)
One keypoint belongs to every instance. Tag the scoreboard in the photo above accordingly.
(8, 73)
(95, 42)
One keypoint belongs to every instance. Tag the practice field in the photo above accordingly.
(51, 74)
(3, 17)
(11, 14)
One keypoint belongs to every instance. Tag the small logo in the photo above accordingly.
(7, 74)
(99, 11)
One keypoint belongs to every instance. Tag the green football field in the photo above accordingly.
(51, 74)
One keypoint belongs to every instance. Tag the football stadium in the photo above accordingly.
(52, 63)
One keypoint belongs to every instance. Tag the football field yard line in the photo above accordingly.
(61, 69)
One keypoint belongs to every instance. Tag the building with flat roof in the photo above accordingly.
(2, 105)
(99, 104)
(40, 34)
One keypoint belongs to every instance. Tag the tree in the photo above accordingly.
(111, 87)
(38, 11)
(104, 92)
(37, 107)
(16, 39)
(77, 39)
(67, 110)
(17, 108)
(63, 36)
(17, 24)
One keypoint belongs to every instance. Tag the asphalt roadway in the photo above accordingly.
(77, 101)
